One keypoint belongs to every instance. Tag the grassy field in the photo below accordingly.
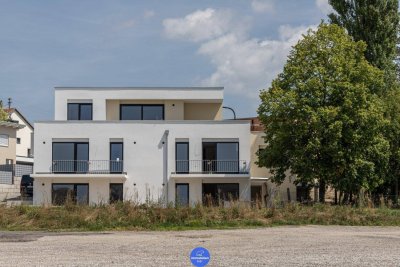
(127, 216)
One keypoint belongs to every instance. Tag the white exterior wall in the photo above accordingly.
(25, 134)
(148, 163)
(98, 97)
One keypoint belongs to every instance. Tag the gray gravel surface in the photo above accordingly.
(277, 246)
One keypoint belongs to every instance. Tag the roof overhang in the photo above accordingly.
(210, 175)
(11, 124)
(80, 176)
(258, 180)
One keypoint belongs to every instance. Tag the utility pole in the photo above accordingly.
(9, 108)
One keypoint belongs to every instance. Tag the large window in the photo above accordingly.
(70, 193)
(182, 157)
(141, 112)
(222, 157)
(116, 192)
(69, 157)
(217, 194)
(116, 157)
(182, 194)
(79, 111)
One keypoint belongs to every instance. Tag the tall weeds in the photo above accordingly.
(131, 216)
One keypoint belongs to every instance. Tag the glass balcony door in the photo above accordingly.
(182, 157)
(70, 157)
(221, 157)
(116, 157)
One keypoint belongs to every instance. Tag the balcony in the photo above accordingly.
(87, 167)
(211, 167)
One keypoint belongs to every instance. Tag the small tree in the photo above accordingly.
(3, 114)
(322, 117)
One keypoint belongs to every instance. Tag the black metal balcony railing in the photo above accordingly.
(87, 166)
(211, 166)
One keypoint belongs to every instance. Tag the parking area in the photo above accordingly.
(277, 246)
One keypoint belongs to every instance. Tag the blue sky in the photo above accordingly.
(241, 45)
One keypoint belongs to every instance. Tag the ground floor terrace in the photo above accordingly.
(220, 189)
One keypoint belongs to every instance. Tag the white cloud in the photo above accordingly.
(243, 65)
(262, 6)
(199, 25)
(324, 6)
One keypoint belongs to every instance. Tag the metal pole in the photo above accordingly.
(231, 109)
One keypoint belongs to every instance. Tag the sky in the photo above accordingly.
(241, 45)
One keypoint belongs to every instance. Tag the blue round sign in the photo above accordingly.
(200, 257)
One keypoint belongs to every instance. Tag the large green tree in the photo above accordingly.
(376, 22)
(322, 115)
(373, 21)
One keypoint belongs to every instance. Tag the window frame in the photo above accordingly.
(176, 156)
(75, 153)
(75, 191)
(122, 159)
(216, 197)
(79, 111)
(7, 138)
(216, 153)
(188, 193)
(122, 196)
(141, 110)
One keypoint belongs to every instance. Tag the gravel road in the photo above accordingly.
(277, 246)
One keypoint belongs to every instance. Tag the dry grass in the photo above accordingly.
(128, 216)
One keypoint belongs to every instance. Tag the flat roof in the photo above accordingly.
(149, 122)
(138, 88)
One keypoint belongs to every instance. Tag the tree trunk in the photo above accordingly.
(322, 191)
(336, 200)
(396, 191)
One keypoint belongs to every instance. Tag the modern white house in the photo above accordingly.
(161, 144)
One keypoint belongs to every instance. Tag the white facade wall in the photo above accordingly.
(25, 134)
(149, 155)
(98, 97)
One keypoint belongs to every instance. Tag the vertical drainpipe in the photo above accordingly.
(166, 133)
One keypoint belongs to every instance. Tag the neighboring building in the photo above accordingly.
(141, 144)
(9, 187)
(262, 189)
(24, 138)
(8, 141)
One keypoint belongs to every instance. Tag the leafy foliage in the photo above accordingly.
(323, 117)
(3, 114)
(374, 22)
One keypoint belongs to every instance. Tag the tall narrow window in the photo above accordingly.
(116, 157)
(182, 157)
(116, 192)
(80, 111)
(182, 194)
